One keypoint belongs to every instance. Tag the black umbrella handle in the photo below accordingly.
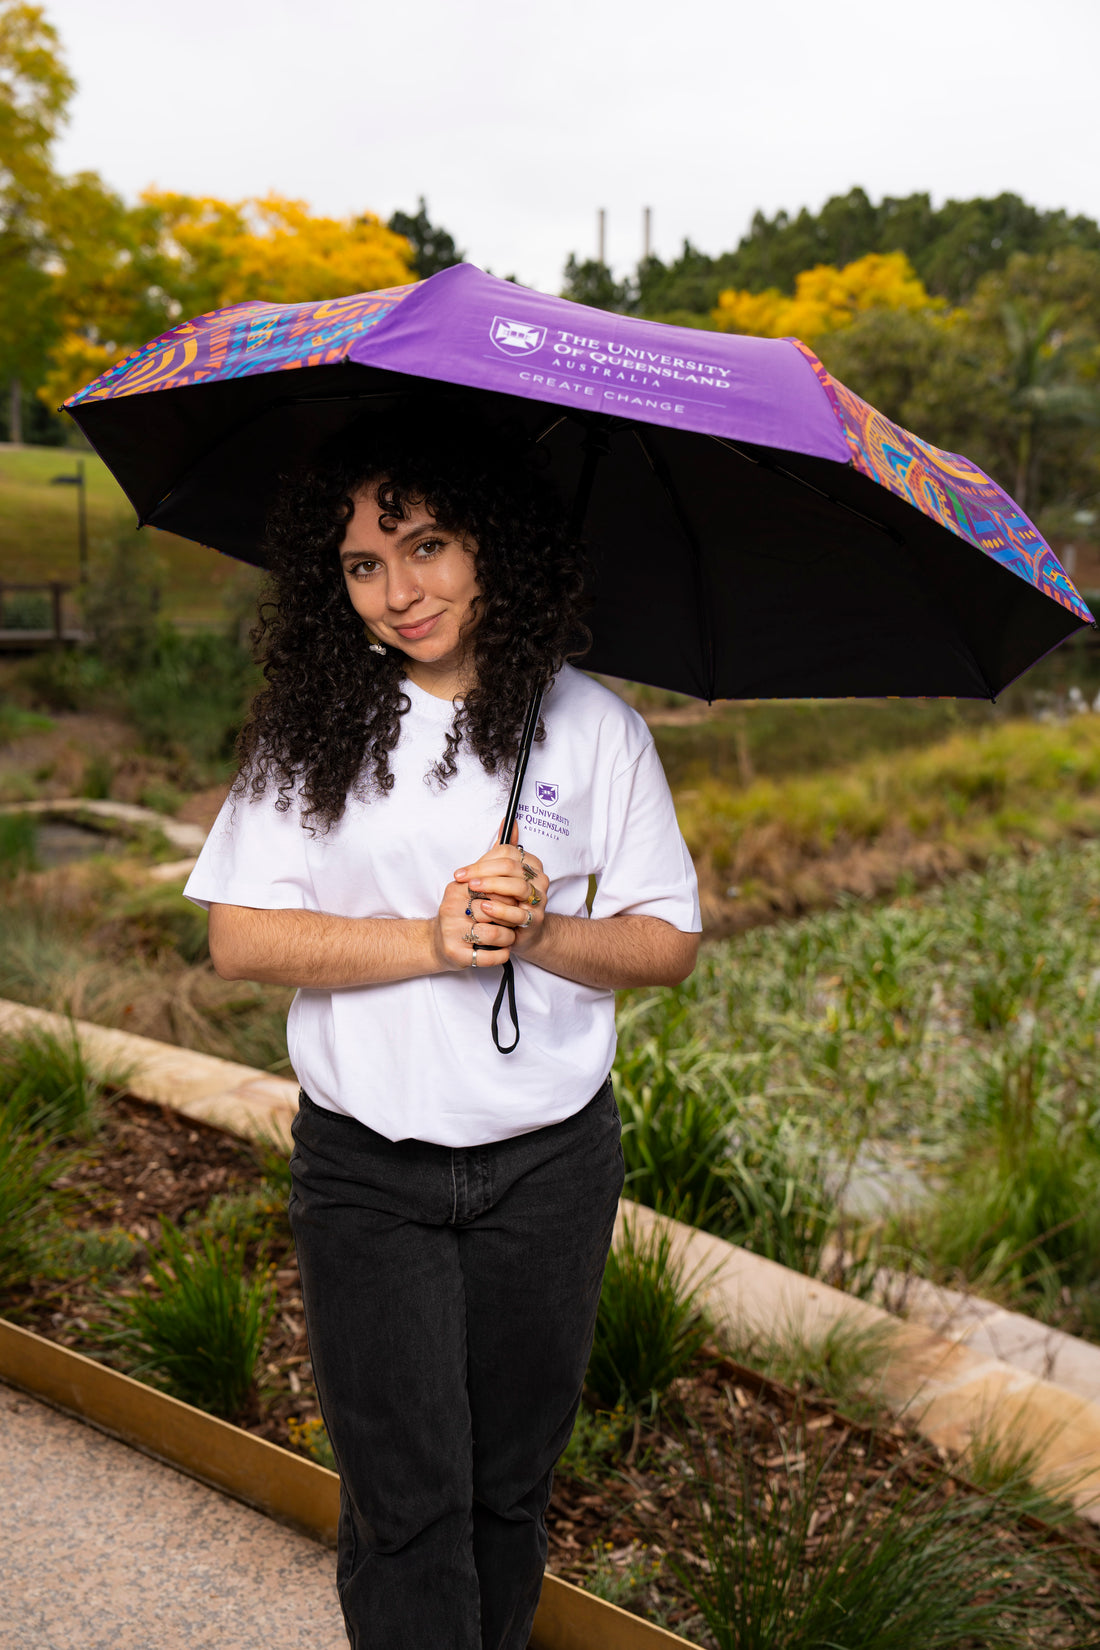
(507, 988)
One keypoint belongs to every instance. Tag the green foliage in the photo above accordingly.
(27, 1172)
(649, 1328)
(193, 697)
(122, 602)
(18, 844)
(623, 1584)
(273, 1156)
(1009, 1465)
(313, 1438)
(433, 248)
(62, 1252)
(896, 1566)
(252, 1219)
(695, 1151)
(588, 281)
(16, 722)
(596, 1437)
(951, 247)
(47, 1086)
(844, 1362)
(156, 921)
(27, 610)
(675, 1097)
(200, 1335)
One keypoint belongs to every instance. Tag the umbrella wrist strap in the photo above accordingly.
(506, 989)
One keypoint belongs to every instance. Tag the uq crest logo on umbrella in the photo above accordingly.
(516, 337)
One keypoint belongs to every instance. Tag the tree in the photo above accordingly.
(35, 89)
(951, 247)
(176, 255)
(433, 248)
(825, 300)
(589, 281)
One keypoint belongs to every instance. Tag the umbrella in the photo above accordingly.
(825, 550)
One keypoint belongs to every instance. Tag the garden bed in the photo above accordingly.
(630, 1518)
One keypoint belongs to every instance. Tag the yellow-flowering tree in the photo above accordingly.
(180, 255)
(826, 299)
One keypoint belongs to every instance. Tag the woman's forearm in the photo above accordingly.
(613, 953)
(317, 952)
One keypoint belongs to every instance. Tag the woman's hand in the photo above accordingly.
(508, 888)
(455, 933)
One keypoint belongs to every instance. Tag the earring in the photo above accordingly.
(375, 645)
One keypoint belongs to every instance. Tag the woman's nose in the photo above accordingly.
(402, 590)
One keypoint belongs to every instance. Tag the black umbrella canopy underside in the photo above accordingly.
(722, 570)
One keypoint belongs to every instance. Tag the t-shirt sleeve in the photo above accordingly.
(254, 856)
(647, 869)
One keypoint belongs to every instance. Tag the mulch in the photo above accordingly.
(637, 1519)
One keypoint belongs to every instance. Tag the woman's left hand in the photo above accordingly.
(508, 886)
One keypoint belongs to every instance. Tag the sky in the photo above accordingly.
(518, 122)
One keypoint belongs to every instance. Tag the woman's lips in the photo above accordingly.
(415, 632)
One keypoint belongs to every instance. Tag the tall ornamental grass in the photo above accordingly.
(198, 1332)
(46, 1084)
(650, 1328)
(889, 1565)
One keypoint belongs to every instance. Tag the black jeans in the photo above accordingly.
(450, 1299)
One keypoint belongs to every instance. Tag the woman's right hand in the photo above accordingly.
(454, 928)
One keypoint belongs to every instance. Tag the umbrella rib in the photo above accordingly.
(703, 606)
(830, 498)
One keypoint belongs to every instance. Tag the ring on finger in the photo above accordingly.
(470, 936)
(473, 960)
(534, 897)
(529, 871)
(527, 920)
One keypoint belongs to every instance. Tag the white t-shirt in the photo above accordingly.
(415, 1058)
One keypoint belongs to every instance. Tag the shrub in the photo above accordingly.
(192, 695)
(649, 1327)
(200, 1335)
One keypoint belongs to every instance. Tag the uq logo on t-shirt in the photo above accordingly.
(541, 816)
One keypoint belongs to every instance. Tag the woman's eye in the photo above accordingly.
(362, 569)
(429, 547)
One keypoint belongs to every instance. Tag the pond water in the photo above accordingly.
(62, 841)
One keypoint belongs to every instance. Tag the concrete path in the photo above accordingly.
(102, 1548)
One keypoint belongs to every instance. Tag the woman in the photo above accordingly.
(452, 1206)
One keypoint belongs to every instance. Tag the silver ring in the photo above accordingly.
(527, 924)
(473, 963)
(470, 937)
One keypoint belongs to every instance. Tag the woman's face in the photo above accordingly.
(411, 581)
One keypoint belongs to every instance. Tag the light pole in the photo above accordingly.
(77, 481)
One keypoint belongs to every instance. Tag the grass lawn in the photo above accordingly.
(38, 533)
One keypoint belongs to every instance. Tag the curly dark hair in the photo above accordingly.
(330, 714)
